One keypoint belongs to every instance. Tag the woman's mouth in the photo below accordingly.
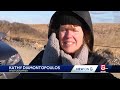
(68, 43)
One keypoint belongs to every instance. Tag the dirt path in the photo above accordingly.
(27, 53)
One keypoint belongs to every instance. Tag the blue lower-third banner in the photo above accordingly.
(61, 68)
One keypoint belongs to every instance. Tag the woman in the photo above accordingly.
(70, 42)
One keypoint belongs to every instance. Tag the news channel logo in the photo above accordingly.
(103, 68)
(84, 69)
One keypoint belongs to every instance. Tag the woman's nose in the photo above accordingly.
(68, 33)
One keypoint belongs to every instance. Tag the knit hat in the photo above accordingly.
(66, 18)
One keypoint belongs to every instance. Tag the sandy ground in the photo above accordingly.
(27, 54)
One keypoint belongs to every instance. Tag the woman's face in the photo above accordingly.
(70, 38)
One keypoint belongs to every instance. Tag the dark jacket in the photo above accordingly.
(38, 61)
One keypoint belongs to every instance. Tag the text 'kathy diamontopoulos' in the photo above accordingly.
(26, 68)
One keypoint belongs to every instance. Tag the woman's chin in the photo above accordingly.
(69, 51)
